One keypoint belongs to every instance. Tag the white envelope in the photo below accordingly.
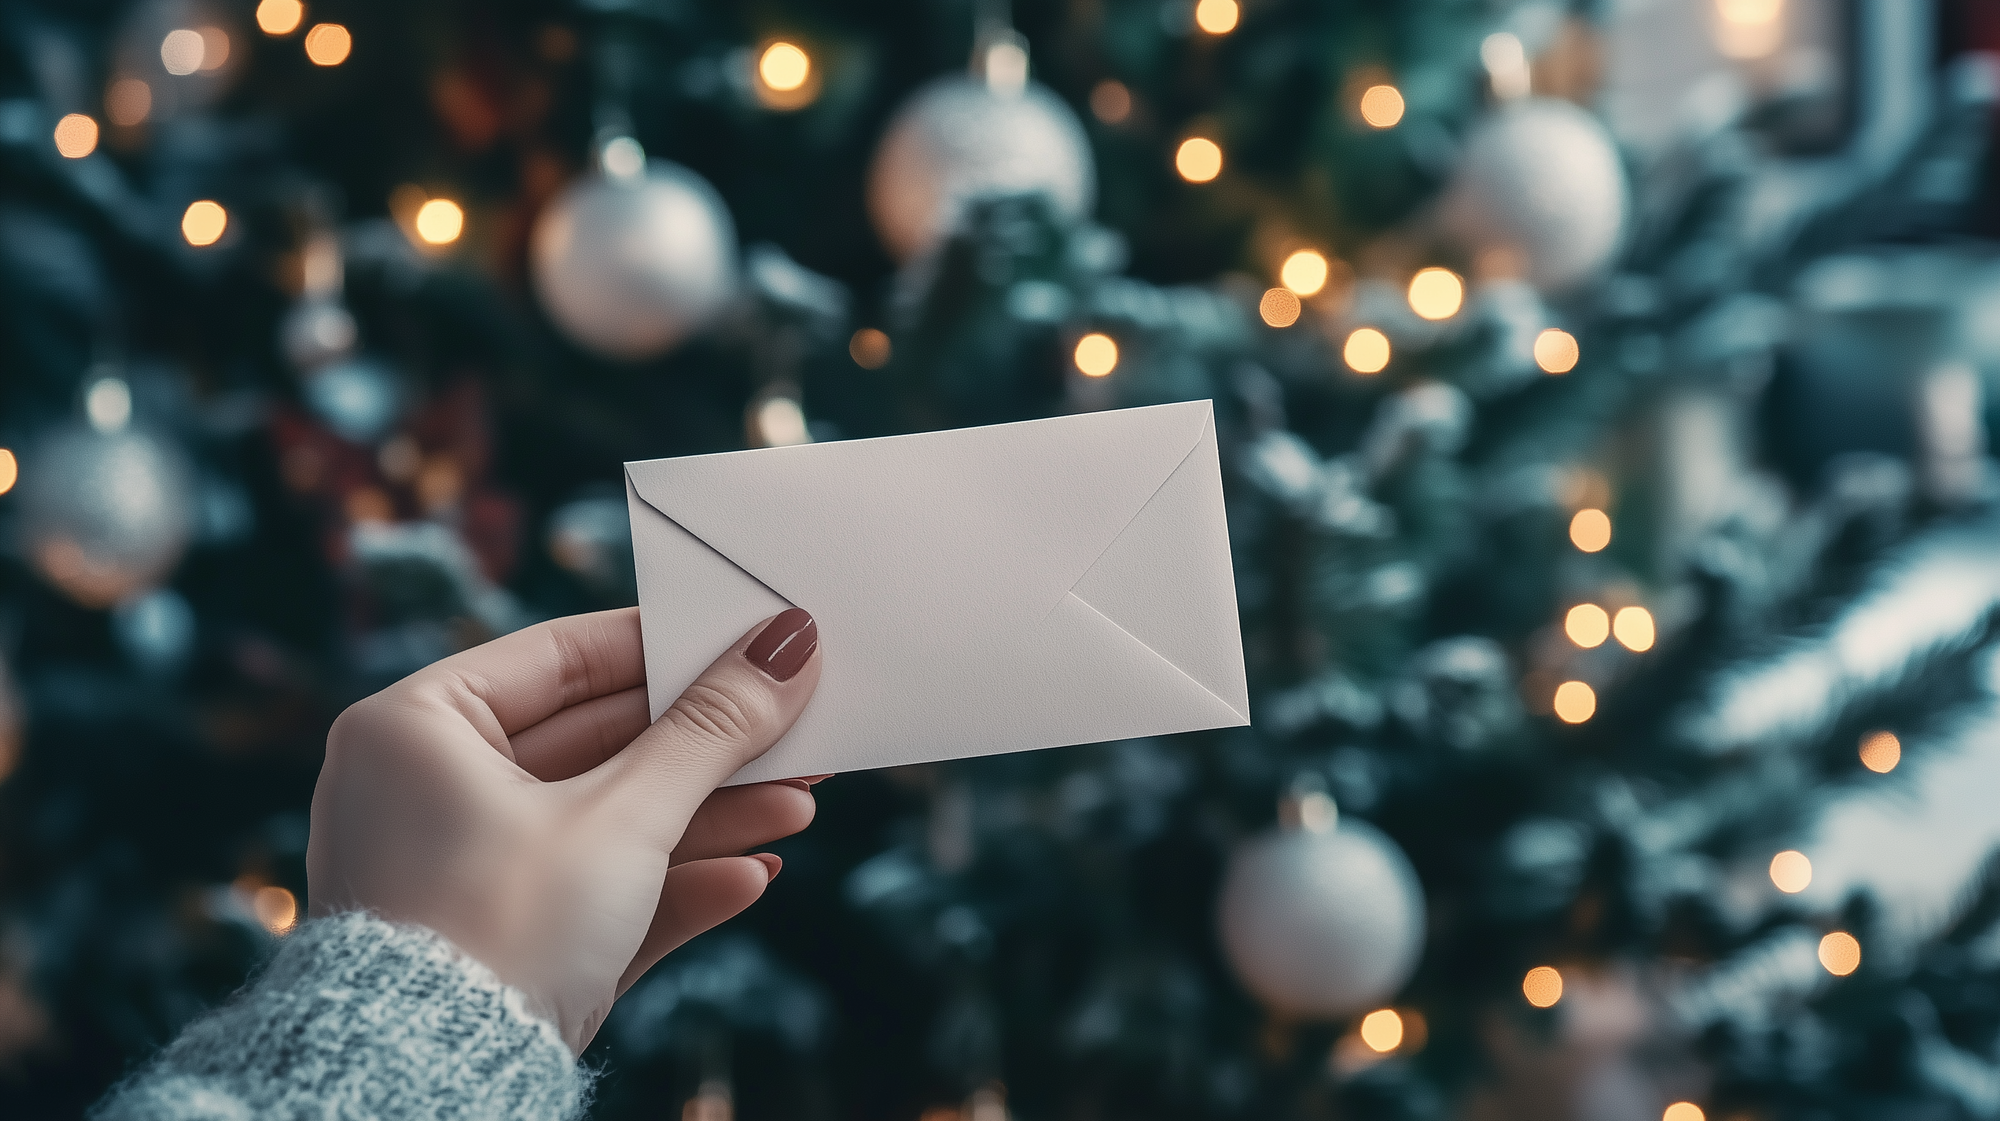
(994, 589)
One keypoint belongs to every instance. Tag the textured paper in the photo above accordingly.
(985, 590)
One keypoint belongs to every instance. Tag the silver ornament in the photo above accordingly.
(630, 267)
(1321, 919)
(955, 140)
(106, 514)
(1540, 180)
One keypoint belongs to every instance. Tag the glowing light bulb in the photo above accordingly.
(276, 908)
(440, 221)
(1587, 625)
(1111, 102)
(1749, 28)
(214, 47)
(181, 51)
(1217, 17)
(784, 66)
(1590, 530)
(1304, 272)
(280, 17)
(1556, 351)
(1198, 159)
(76, 136)
(1279, 307)
(1840, 953)
(328, 44)
(1881, 751)
(1791, 871)
(203, 222)
(1382, 106)
(1543, 986)
(10, 470)
(1382, 1030)
(128, 102)
(870, 348)
(1366, 351)
(1096, 355)
(1683, 1111)
(1436, 293)
(1575, 702)
(1634, 628)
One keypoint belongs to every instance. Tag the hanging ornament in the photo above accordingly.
(1539, 182)
(969, 136)
(106, 513)
(634, 260)
(1324, 917)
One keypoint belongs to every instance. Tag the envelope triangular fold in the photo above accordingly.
(1115, 686)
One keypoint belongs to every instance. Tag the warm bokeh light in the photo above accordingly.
(128, 102)
(784, 66)
(1749, 28)
(1198, 159)
(1279, 307)
(1840, 953)
(10, 470)
(1881, 751)
(1587, 625)
(276, 908)
(440, 221)
(1791, 871)
(1217, 17)
(870, 348)
(1556, 351)
(328, 44)
(1382, 1030)
(1366, 351)
(1304, 272)
(1575, 702)
(1096, 355)
(1543, 986)
(214, 47)
(1111, 102)
(780, 422)
(280, 17)
(1683, 1111)
(1590, 530)
(1634, 629)
(1436, 293)
(76, 136)
(108, 404)
(203, 222)
(181, 51)
(1382, 106)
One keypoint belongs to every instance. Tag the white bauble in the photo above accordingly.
(106, 514)
(629, 268)
(1322, 923)
(1541, 178)
(955, 140)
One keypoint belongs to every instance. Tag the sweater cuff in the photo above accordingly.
(359, 1018)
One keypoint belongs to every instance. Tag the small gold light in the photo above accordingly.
(1304, 272)
(1279, 307)
(76, 136)
(280, 17)
(1543, 986)
(1575, 702)
(1590, 530)
(276, 908)
(1683, 1111)
(1436, 293)
(214, 47)
(1382, 106)
(10, 470)
(328, 44)
(1382, 1030)
(181, 51)
(784, 66)
(203, 222)
(1096, 355)
(128, 102)
(1587, 625)
(870, 348)
(1749, 28)
(1556, 351)
(440, 221)
(1111, 102)
(1840, 953)
(780, 422)
(1366, 351)
(1198, 159)
(1634, 628)
(1791, 871)
(1217, 17)
(1881, 751)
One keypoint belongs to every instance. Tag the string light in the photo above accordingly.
(76, 136)
(870, 348)
(1587, 625)
(1382, 106)
(1840, 953)
(1683, 1111)
(1111, 102)
(280, 17)
(440, 221)
(1556, 351)
(328, 44)
(1304, 272)
(1749, 28)
(203, 222)
(181, 51)
(1382, 1030)
(1198, 159)
(1217, 17)
(128, 102)
(784, 66)
(1575, 702)
(108, 404)
(1634, 628)
(1881, 751)
(1096, 355)
(1590, 529)
(1366, 351)
(1791, 871)
(1279, 307)
(10, 470)
(276, 908)
(1543, 986)
(780, 422)
(214, 47)
(1436, 293)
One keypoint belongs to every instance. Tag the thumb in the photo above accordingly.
(741, 705)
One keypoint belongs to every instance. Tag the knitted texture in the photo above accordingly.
(358, 1018)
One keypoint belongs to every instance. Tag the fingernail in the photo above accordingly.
(772, 863)
(815, 780)
(783, 646)
(796, 784)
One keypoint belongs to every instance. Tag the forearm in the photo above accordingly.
(358, 1018)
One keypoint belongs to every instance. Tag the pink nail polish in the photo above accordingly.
(783, 646)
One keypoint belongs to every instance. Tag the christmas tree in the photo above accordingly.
(1604, 450)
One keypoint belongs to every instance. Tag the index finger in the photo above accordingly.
(528, 676)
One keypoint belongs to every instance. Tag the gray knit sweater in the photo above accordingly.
(358, 1018)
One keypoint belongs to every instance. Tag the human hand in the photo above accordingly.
(515, 799)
